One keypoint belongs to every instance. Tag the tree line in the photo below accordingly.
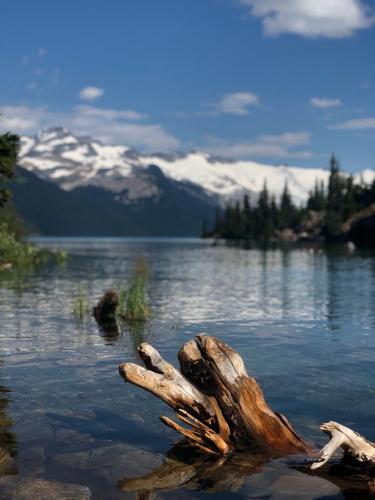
(336, 202)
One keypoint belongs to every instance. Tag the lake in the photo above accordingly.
(303, 321)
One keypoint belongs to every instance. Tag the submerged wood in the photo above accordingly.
(225, 410)
(228, 474)
(105, 310)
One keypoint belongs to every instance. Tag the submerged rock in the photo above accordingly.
(31, 460)
(26, 488)
(111, 462)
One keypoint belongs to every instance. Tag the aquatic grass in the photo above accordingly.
(136, 304)
(121, 306)
(129, 303)
(137, 308)
(81, 307)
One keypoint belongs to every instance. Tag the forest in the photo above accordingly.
(340, 211)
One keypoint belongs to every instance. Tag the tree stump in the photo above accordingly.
(105, 309)
(225, 410)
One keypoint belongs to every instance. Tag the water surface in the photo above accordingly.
(303, 321)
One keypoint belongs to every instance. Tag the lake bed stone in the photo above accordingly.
(27, 488)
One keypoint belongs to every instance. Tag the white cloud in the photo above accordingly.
(237, 103)
(323, 103)
(21, 119)
(356, 124)
(91, 93)
(110, 126)
(273, 146)
(311, 18)
(110, 114)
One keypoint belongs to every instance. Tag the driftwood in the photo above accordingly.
(225, 410)
(353, 444)
(105, 309)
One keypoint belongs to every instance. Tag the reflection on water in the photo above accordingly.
(306, 319)
(232, 474)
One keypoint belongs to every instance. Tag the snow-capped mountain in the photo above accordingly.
(74, 162)
(78, 186)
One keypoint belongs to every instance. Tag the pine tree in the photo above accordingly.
(287, 209)
(335, 199)
(9, 147)
(264, 227)
(218, 223)
(247, 218)
(317, 198)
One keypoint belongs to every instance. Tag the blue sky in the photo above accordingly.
(276, 81)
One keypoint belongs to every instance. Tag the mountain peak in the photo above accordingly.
(53, 133)
(74, 161)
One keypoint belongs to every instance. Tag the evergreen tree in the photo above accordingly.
(218, 223)
(247, 218)
(335, 199)
(264, 227)
(9, 147)
(339, 201)
(274, 213)
(238, 226)
(287, 209)
(317, 198)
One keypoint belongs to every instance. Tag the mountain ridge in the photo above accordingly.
(72, 161)
(118, 191)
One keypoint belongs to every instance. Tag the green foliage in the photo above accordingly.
(80, 305)
(9, 147)
(10, 218)
(335, 199)
(121, 307)
(337, 203)
(131, 301)
(136, 303)
(15, 254)
(317, 198)
(288, 214)
(18, 255)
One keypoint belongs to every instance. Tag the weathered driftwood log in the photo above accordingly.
(353, 444)
(225, 408)
(213, 394)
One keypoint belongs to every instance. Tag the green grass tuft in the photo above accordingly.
(81, 307)
(137, 308)
(122, 300)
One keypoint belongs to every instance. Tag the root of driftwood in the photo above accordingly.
(224, 408)
(353, 444)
